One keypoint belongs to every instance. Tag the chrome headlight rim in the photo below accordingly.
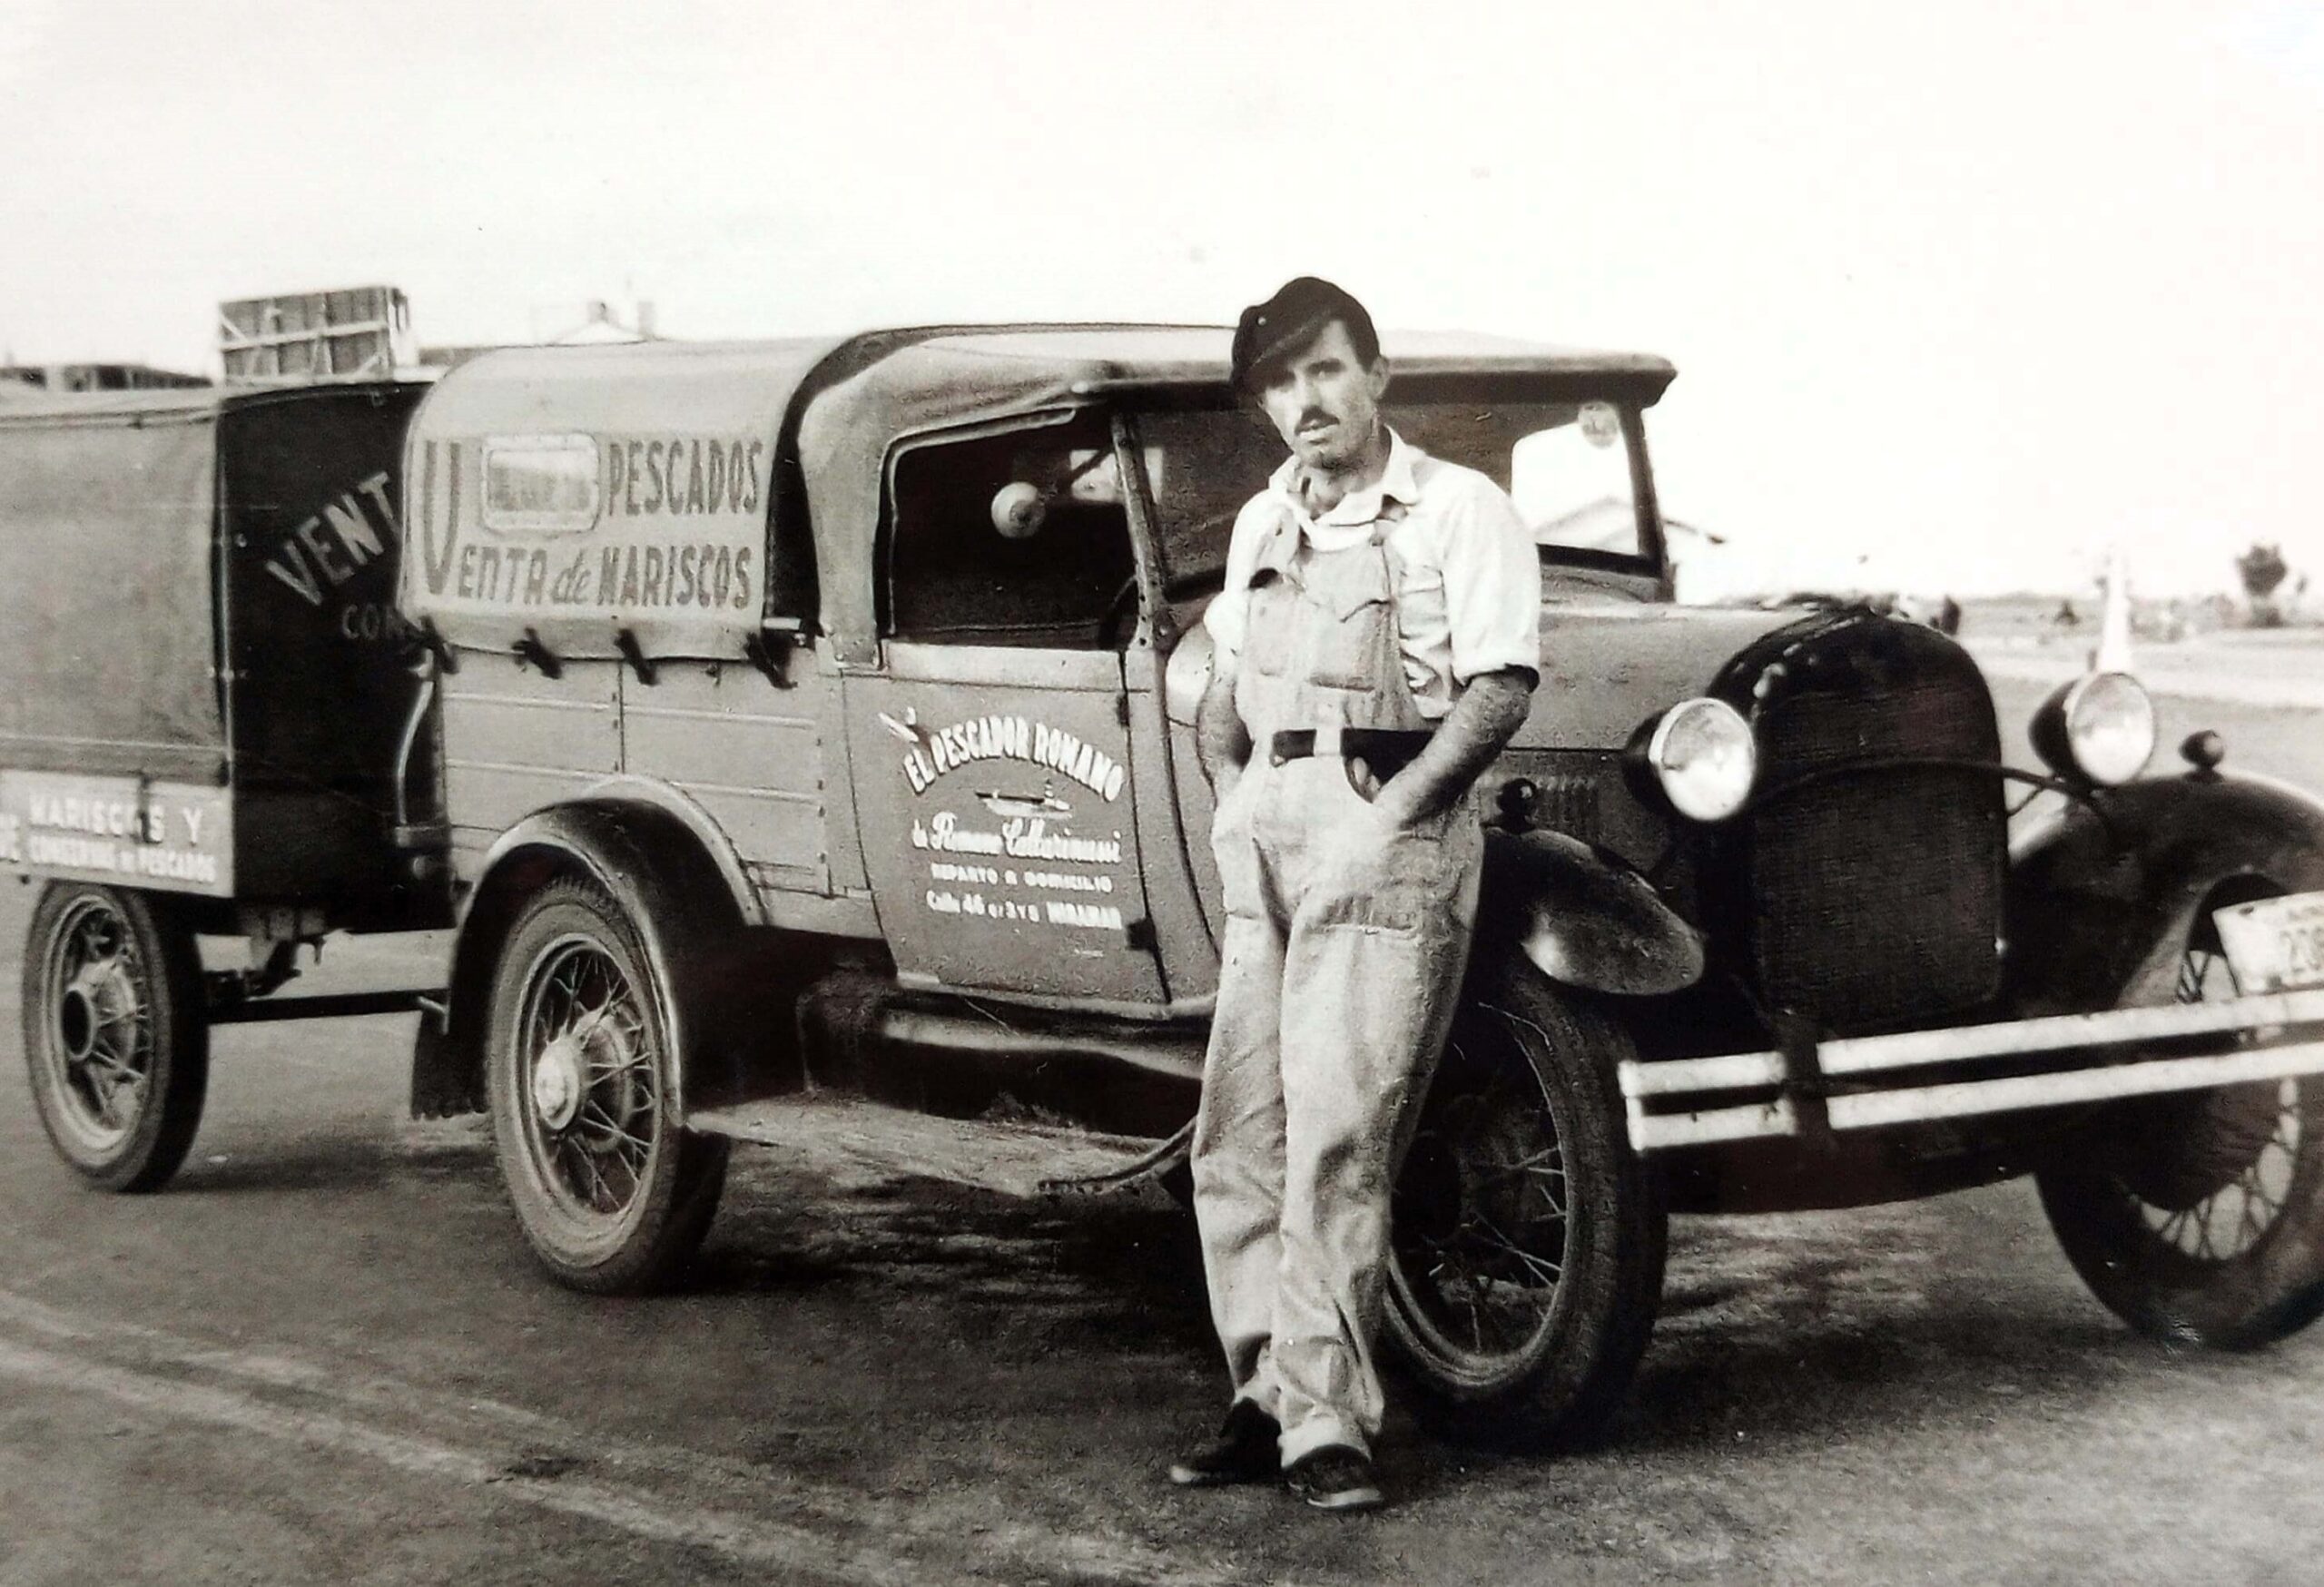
(2066, 731)
(1726, 789)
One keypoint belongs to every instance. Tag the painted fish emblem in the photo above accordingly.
(1044, 803)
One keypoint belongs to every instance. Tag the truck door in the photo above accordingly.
(989, 752)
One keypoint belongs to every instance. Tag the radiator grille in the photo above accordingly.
(1867, 893)
(1568, 803)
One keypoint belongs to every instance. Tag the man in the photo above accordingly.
(1375, 645)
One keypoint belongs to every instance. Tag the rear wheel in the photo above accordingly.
(1526, 1239)
(115, 1033)
(2198, 1218)
(612, 1194)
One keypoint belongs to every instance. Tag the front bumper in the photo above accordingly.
(1859, 1083)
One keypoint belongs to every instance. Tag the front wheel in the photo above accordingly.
(2198, 1218)
(114, 1033)
(613, 1193)
(1527, 1240)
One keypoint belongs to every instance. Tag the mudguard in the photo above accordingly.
(1583, 917)
(2104, 897)
(687, 916)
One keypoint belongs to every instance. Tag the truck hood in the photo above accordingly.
(1608, 665)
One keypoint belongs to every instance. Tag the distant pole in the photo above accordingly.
(2113, 652)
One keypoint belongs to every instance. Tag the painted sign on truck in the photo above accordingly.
(175, 836)
(604, 524)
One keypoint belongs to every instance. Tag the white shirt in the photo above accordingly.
(1469, 581)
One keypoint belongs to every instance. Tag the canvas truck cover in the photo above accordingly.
(110, 656)
(660, 489)
(582, 492)
(687, 492)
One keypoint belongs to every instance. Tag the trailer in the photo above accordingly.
(207, 713)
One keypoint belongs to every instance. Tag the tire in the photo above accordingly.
(1526, 1239)
(2198, 1217)
(116, 1034)
(612, 1194)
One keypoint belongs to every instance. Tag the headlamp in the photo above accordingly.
(1702, 757)
(2099, 728)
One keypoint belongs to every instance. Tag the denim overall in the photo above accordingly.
(1345, 945)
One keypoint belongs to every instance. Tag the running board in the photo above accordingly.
(1012, 1158)
(330, 1006)
(1862, 1082)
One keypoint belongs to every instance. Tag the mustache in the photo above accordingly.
(1314, 416)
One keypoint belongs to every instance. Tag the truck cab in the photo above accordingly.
(910, 626)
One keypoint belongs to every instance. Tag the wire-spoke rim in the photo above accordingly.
(1483, 1212)
(2236, 1217)
(96, 1038)
(582, 1014)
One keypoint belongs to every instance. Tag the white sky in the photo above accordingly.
(1969, 290)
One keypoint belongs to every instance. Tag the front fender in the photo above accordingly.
(688, 918)
(1583, 917)
(2103, 902)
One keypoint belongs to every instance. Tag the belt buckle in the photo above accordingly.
(1330, 744)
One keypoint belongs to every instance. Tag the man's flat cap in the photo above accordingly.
(1290, 320)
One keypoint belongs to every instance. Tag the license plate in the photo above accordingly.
(2275, 944)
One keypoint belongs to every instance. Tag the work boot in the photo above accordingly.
(1244, 1452)
(1335, 1477)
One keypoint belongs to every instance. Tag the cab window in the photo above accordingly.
(1020, 537)
(1571, 482)
(1567, 466)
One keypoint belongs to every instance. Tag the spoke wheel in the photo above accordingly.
(612, 1194)
(1526, 1240)
(2198, 1218)
(115, 1038)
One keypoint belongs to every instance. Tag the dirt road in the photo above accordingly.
(323, 1356)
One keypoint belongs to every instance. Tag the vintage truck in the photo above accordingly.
(802, 732)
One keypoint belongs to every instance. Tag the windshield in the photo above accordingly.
(1566, 465)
